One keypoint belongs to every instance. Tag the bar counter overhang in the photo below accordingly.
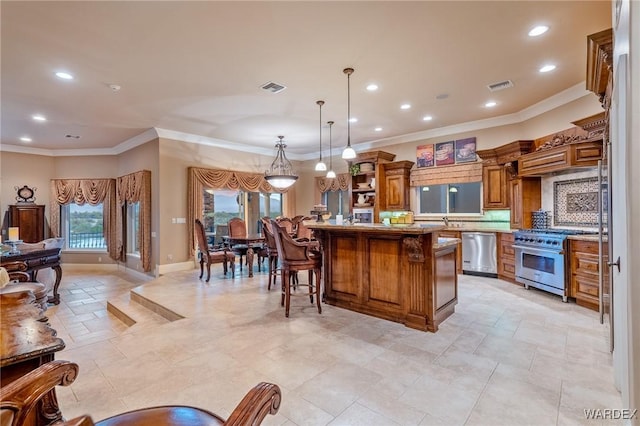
(402, 273)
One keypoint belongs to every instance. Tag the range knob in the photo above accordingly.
(548, 241)
(540, 240)
(555, 243)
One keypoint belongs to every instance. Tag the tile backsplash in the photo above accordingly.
(571, 199)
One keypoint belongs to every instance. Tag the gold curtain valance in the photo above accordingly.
(200, 178)
(340, 183)
(135, 188)
(92, 192)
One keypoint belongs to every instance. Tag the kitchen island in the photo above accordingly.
(402, 273)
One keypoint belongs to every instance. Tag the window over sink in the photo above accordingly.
(450, 198)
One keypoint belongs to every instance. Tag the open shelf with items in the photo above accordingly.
(365, 180)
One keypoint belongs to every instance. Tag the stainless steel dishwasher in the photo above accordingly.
(479, 254)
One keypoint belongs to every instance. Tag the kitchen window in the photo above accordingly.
(464, 198)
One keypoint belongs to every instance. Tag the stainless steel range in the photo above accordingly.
(541, 259)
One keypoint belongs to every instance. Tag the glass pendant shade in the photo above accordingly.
(330, 174)
(348, 153)
(281, 175)
(320, 167)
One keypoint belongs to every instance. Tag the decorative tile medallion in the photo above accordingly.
(576, 202)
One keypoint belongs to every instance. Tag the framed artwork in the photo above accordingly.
(465, 150)
(424, 155)
(445, 153)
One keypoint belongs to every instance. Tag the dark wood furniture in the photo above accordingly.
(272, 251)
(29, 217)
(390, 272)
(561, 158)
(253, 243)
(26, 343)
(506, 257)
(37, 259)
(584, 270)
(294, 257)
(210, 255)
(20, 283)
(20, 398)
(526, 197)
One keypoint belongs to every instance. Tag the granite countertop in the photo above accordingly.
(471, 228)
(446, 242)
(415, 228)
(587, 237)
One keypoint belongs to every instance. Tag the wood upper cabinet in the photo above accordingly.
(494, 187)
(584, 272)
(30, 219)
(395, 189)
(526, 197)
(561, 158)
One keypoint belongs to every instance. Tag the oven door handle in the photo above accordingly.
(538, 249)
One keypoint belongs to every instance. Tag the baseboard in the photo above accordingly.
(174, 267)
(106, 267)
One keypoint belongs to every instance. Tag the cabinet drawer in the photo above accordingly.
(506, 237)
(507, 251)
(508, 268)
(585, 264)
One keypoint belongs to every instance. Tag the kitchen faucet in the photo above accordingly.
(446, 221)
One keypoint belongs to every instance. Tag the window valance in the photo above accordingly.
(92, 192)
(462, 173)
(340, 183)
(199, 178)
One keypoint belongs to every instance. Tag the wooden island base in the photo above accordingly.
(399, 273)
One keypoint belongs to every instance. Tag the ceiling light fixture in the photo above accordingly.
(39, 117)
(372, 87)
(427, 118)
(25, 139)
(64, 75)
(547, 68)
(348, 153)
(330, 174)
(538, 30)
(405, 106)
(280, 175)
(320, 167)
(491, 104)
(377, 129)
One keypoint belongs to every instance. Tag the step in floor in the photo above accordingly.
(131, 312)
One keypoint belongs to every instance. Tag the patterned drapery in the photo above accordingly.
(200, 178)
(81, 191)
(135, 188)
(340, 183)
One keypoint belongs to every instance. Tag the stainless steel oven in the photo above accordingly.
(540, 261)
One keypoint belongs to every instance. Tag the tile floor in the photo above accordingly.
(508, 356)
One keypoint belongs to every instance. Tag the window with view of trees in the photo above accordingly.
(83, 226)
(450, 198)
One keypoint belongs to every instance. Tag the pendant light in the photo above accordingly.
(330, 174)
(281, 175)
(320, 167)
(348, 153)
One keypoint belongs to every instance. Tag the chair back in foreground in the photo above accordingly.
(212, 255)
(20, 399)
(297, 256)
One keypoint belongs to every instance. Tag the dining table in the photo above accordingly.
(252, 241)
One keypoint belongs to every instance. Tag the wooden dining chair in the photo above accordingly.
(209, 255)
(238, 228)
(20, 399)
(296, 256)
(272, 251)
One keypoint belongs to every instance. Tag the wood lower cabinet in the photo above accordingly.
(454, 234)
(526, 197)
(506, 257)
(584, 272)
(495, 194)
(30, 219)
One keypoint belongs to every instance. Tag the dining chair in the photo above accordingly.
(297, 256)
(20, 400)
(238, 229)
(209, 255)
(272, 250)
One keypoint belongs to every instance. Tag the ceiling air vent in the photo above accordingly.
(273, 87)
(501, 85)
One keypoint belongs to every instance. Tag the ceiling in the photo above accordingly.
(193, 70)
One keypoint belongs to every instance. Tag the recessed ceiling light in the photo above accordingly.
(539, 30)
(405, 106)
(427, 118)
(25, 139)
(547, 68)
(442, 96)
(353, 120)
(64, 75)
(491, 104)
(372, 87)
(378, 129)
(39, 117)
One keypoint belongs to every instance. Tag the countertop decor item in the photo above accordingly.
(281, 175)
(354, 169)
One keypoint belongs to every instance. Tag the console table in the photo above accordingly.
(37, 259)
(26, 342)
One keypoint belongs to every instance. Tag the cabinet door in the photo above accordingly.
(515, 187)
(395, 192)
(526, 198)
(30, 220)
(494, 188)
